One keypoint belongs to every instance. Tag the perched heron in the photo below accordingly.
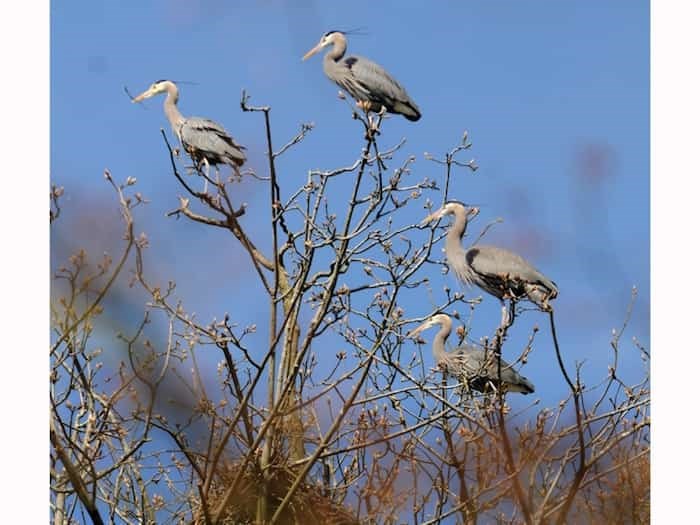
(473, 366)
(368, 83)
(498, 272)
(204, 140)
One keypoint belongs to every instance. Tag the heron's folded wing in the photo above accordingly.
(494, 262)
(377, 83)
(210, 137)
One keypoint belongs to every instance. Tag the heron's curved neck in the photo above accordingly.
(337, 51)
(439, 352)
(170, 107)
(453, 242)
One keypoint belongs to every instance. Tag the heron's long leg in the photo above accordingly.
(366, 106)
(507, 314)
(504, 314)
(370, 120)
(511, 317)
(506, 321)
(507, 318)
(206, 176)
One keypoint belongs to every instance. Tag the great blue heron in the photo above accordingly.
(204, 140)
(368, 83)
(473, 366)
(498, 272)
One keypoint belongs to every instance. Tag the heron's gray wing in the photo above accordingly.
(478, 363)
(207, 138)
(491, 262)
(468, 361)
(380, 87)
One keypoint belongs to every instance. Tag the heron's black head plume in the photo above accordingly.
(355, 31)
(455, 201)
(473, 208)
(178, 82)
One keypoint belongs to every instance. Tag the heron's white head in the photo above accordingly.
(332, 37)
(452, 208)
(437, 319)
(159, 86)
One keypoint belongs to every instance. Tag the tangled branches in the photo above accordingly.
(327, 413)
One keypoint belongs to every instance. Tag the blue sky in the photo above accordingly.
(555, 97)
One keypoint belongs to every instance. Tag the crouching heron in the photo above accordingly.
(204, 140)
(496, 271)
(368, 83)
(475, 367)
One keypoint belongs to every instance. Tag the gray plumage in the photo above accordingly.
(497, 271)
(367, 82)
(204, 140)
(473, 366)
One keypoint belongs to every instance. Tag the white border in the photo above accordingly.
(24, 260)
(675, 147)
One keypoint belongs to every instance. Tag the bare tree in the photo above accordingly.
(328, 413)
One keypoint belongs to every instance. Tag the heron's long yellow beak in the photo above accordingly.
(432, 217)
(146, 94)
(413, 333)
(312, 51)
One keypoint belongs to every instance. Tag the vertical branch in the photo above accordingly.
(576, 393)
(507, 320)
(263, 502)
(468, 517)
(281, 287)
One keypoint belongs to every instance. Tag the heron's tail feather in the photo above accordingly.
(524, 386)
(408, 109)
(236, 157)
